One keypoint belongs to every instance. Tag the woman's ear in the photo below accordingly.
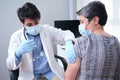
(96, 20)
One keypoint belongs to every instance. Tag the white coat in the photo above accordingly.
(50, 37)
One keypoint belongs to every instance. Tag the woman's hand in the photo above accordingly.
(72, 70)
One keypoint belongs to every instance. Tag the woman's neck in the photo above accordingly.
(100, 30)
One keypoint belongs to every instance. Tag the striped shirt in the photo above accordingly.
(100, 57)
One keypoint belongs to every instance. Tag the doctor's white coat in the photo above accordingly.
(49, 37)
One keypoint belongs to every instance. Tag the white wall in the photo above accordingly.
(50, 11)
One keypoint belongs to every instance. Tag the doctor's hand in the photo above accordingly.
(72, 70)
(25, 47)
(69, 51)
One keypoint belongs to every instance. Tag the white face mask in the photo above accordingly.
(82, 30)
(33, 30)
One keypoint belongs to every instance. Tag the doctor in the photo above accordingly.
(32, 48)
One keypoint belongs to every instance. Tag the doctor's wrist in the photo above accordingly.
(18, 56)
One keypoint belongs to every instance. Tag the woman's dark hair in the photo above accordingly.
(28, 10)
(92, 9)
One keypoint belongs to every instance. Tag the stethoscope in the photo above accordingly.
(41, 54)
(56, 56)
(24, 34)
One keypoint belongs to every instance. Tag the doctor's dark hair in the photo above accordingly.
(28, 10)
(92, 9)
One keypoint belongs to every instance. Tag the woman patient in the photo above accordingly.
(98, 51)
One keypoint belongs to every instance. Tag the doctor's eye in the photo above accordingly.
(29, 24)
(36, 22)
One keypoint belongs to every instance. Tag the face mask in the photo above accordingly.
(34, 30)
(82, 30)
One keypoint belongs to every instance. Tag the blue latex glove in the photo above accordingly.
(25, 47)
(69, 51)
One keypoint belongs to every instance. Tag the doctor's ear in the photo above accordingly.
(96, 20)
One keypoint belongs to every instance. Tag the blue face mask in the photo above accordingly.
(82, 30)
(33, 30)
